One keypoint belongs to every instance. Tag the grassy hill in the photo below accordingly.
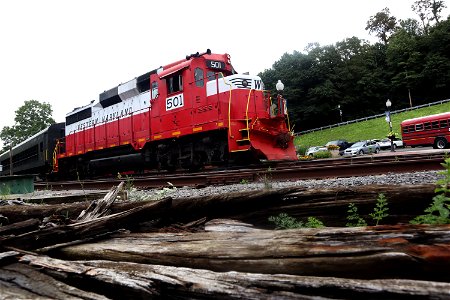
(371, 129)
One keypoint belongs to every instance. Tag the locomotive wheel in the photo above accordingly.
(197, 162)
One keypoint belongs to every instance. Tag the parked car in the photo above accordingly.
(363, 147)
(386, 143)
(343, 144)
(314, 149)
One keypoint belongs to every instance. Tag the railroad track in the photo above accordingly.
(279, 171)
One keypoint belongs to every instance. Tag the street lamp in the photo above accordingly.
(340, 111)
(280, 87)
(388, 119)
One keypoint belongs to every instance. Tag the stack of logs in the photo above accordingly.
(224, 247)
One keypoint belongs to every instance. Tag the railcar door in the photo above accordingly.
(205, 109)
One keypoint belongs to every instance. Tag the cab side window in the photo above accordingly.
(174, 83)
(211, 75)
(155, 92)
(198, 76)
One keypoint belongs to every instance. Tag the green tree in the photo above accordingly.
(428, 10)
(30, 118)
(382, 24)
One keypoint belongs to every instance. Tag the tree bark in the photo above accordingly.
(414, 252)
(129, 280)
(87, 229)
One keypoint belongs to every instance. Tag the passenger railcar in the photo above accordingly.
(34, 155)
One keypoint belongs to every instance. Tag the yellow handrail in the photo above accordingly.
(246, 113)
(55, 153)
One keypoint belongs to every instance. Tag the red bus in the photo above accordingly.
(425, 131)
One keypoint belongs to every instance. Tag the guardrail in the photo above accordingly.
(371, 117)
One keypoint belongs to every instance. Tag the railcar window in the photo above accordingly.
(411, 128)
(155, 93)
(211, 75)
(419, 127)
(427, 126)
(174, 84)
(405, 129)
(435, 124)
(198, 76)
(443, 123)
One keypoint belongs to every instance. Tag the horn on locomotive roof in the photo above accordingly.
(208, 51)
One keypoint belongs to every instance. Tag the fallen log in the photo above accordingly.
(329, 205)
(130, 280)
(19, 227)
(87, 229)
(254, 207)
(413, 252)
(20, 281)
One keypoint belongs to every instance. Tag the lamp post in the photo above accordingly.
(280, 87)
(388, 119)
(340, 111)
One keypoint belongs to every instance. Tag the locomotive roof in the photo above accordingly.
(138, 84)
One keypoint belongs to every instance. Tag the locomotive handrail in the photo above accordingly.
(246, 113)
(55, 156)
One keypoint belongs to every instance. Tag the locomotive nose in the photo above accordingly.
(282, 140)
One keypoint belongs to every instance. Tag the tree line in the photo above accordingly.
(410, 65)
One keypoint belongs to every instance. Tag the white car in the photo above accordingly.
(386, 143)
(314, 149)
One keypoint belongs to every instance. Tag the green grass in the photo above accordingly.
(371, 129)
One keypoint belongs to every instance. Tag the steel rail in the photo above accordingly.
(281, 171)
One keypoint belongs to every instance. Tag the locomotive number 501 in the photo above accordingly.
(174, 102)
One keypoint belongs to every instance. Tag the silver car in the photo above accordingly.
(363, 147)
(314, 149)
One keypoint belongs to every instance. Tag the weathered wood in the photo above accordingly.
(20, 281)
(414, 252)
(99, 208)
(19, 227)
(17, 213)
(328, 204)
(87, 229)
(129, 280)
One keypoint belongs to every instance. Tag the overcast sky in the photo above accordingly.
(67, 52)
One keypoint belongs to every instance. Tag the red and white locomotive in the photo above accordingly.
(187, 114)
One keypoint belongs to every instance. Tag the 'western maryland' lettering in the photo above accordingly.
(105, 118)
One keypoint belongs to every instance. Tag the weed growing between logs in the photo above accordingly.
(82, 186)
(353, 218)
(129, 181)
(284, 221)
(439, 210)
(380, 210)
(267, 179)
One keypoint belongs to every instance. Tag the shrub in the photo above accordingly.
(439, 210)
(322, 154)
(301, 149)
